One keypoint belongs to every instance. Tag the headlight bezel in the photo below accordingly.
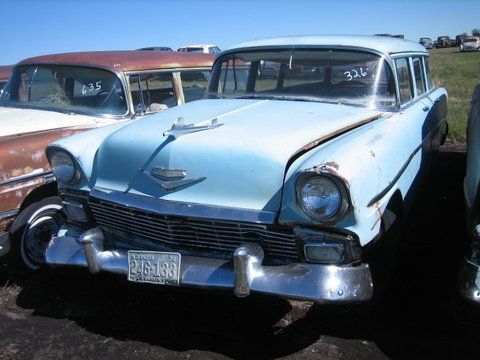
(339, 184)
(76, 176)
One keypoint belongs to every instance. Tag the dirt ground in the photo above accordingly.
(70, 314)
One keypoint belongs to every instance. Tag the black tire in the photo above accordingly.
(383, 256)
(31, 232)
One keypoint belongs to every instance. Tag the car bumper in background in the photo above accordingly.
(244, 273)
(469, 280)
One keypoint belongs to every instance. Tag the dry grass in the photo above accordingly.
(8, 291)
(459, 73)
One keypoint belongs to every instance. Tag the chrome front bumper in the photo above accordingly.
(469, 280)
(243, 274)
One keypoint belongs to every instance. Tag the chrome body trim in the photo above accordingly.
(22, 178)
(392, 183)
(243, 274)
(172, 183)
(469, 280)
(176, 208)
(8, 214)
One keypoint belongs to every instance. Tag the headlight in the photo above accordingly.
(322, 198)
(63, 167)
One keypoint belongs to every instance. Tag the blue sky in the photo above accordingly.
(30, 27)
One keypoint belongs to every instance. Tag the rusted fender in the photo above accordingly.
(23, 164)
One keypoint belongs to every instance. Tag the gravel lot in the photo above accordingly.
(70, 314)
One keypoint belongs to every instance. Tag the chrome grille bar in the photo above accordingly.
(193, 233)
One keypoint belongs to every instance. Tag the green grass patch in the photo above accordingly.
(459, 73)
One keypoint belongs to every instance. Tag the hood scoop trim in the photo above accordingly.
(179, 128)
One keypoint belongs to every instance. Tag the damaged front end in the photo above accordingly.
(249, 256)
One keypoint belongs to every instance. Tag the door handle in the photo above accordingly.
(426, 108)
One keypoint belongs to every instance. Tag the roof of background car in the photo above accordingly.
(127, 60)
(197, 45)
(5, 71)
(386, 45)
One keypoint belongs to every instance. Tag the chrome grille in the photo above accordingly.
(193, 233)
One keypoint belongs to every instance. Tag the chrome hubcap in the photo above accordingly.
(38, 235)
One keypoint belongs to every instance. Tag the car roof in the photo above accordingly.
(126, 60)
(197, 45)
(154, 48)
(386, 45)
(5, 71)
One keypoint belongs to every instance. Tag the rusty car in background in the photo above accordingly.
(53, 96)
(4, 74)
(292, 182)
(469, 276)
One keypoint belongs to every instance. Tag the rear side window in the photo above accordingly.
(404, 80)
(194, 83)
(427, 73)
(419, 75)
(154, 90)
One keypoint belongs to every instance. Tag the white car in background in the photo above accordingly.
(201, 48)
(470, 44)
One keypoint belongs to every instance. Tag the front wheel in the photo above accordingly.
(31, 233)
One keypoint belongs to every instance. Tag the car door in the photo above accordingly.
(414, 113)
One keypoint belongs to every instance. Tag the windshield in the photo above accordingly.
(339, 76)
(470, 40)
(66, 89)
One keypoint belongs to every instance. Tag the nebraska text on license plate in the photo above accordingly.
(154, 267)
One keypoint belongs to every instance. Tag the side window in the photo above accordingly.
(404, 80)
(194, 83)
(233, 77)
(427, 73)
(155, 90)
(419, 75)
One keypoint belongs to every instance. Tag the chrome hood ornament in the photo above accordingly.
(179, 127)
(170, 179)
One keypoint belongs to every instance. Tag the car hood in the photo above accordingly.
(14, 121)
(239, 163)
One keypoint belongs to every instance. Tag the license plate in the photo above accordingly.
(154, 267)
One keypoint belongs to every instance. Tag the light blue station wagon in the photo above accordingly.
(291, 177)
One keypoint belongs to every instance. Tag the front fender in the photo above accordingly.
(83, 147)
(367, 159)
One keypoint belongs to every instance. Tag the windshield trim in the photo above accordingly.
(127, 114)
(384, 56)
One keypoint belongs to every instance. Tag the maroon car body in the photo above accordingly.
(156, 79)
